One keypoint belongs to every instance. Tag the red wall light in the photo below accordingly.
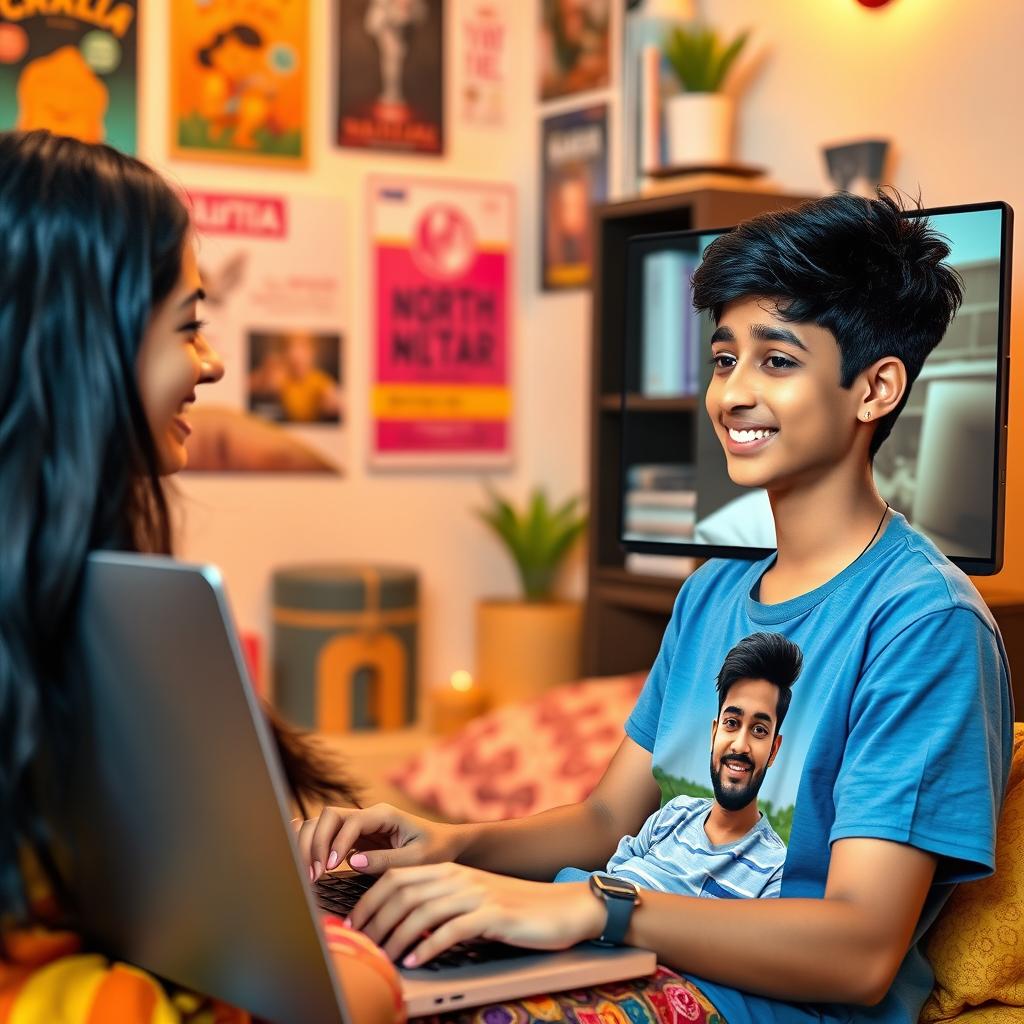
(873, 3)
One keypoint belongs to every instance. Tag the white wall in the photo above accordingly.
(248, 526)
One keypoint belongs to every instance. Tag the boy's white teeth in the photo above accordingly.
(746, 436)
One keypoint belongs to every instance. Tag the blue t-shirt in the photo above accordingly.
(900, 728)
(672, 853)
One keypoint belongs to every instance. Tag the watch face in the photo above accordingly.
(614, 886)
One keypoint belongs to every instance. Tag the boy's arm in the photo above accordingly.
(846, 947)
(583, 835)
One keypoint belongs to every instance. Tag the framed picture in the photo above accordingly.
(442, 264)
(574, 47)
(239, 89)
(390, 68)
(574, 176)
(73, 73)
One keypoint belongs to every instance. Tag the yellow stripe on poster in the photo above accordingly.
(440, 402)
(386, 242)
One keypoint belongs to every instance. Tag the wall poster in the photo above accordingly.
(484, 64)
(443, 274)
(73, 73)
(272, 271)
(574, 176)
(239, 81)
(391, 75)
(575, 50)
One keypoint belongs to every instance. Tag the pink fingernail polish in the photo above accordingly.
(311, 872)
(318, 869)
(358, 860)
(332, 861)
(410, 960)
(347, 923)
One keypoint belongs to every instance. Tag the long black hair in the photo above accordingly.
(91, 242)
(862, 269)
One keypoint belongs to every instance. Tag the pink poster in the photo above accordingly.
(442, 257)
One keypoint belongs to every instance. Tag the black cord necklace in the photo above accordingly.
(875, 534)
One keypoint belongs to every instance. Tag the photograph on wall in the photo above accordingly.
(239, 81)
(390, 68)
(484, 64)
(574, 176)
(295, 376)
(272, 268)
(442, 263)
(73, 74)
(575, 50)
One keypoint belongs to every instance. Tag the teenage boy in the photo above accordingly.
(722, 846)
(824, 317)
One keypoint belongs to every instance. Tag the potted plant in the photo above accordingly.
(527, 645)
(699, 120)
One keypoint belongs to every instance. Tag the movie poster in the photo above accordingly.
(442, 258)
(575, 51)
(239, 81)
(73, 73)
(272, 271)
(484, 64)
(574, 176)
(391, 75)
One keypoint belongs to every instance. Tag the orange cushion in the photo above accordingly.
(976, 947)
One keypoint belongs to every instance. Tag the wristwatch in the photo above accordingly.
(620, 897)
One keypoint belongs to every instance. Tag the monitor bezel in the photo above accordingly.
(638, 245)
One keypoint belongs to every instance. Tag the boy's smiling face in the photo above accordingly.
(775, 398)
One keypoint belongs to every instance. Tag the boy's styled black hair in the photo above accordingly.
(857, 267)
(769, 656)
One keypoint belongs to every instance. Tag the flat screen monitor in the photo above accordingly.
(943, 465)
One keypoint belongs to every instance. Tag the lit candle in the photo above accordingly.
(457, 703)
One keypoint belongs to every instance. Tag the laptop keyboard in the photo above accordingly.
(338, 894)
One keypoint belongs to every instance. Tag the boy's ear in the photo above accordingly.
(884, 384)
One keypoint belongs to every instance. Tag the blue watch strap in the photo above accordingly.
(620, 910)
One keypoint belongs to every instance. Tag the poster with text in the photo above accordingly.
(72, 72)
(442, 260)
(239, 81)
(484, 64)
(574, 176)
(575, 50)
(391, 75)
(271, 267)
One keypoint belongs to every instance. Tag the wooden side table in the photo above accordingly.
(1008, 609)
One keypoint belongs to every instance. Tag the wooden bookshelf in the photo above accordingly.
(626, 613)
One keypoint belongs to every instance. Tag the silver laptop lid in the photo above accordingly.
(185, 863)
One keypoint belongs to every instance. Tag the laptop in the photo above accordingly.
(183, 859)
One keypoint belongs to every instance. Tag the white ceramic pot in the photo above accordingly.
(699, 127)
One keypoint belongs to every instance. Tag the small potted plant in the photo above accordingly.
(527, 645)
(699, 120)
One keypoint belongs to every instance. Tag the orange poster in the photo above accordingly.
(239, 81)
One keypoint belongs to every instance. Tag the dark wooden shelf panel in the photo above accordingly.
(641, 403)
(637, 596)
(616, 574)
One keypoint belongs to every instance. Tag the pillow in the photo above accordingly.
(976, 947)
(524, 758)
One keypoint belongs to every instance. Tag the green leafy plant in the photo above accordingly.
(699, 58)
(538, 537)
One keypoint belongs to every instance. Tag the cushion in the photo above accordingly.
(524, 758)
(976, 947)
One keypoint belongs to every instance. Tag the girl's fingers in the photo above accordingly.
(459, 929)
(431, 912)
(385, 890)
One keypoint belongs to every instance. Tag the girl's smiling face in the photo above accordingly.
(174, 358)
(775, 398)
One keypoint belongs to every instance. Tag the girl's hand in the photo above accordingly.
(380, 837)
(455, 903)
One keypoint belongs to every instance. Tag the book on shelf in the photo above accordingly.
(669, 329)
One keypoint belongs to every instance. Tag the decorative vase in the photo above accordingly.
(526, 647)
(699, 127)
